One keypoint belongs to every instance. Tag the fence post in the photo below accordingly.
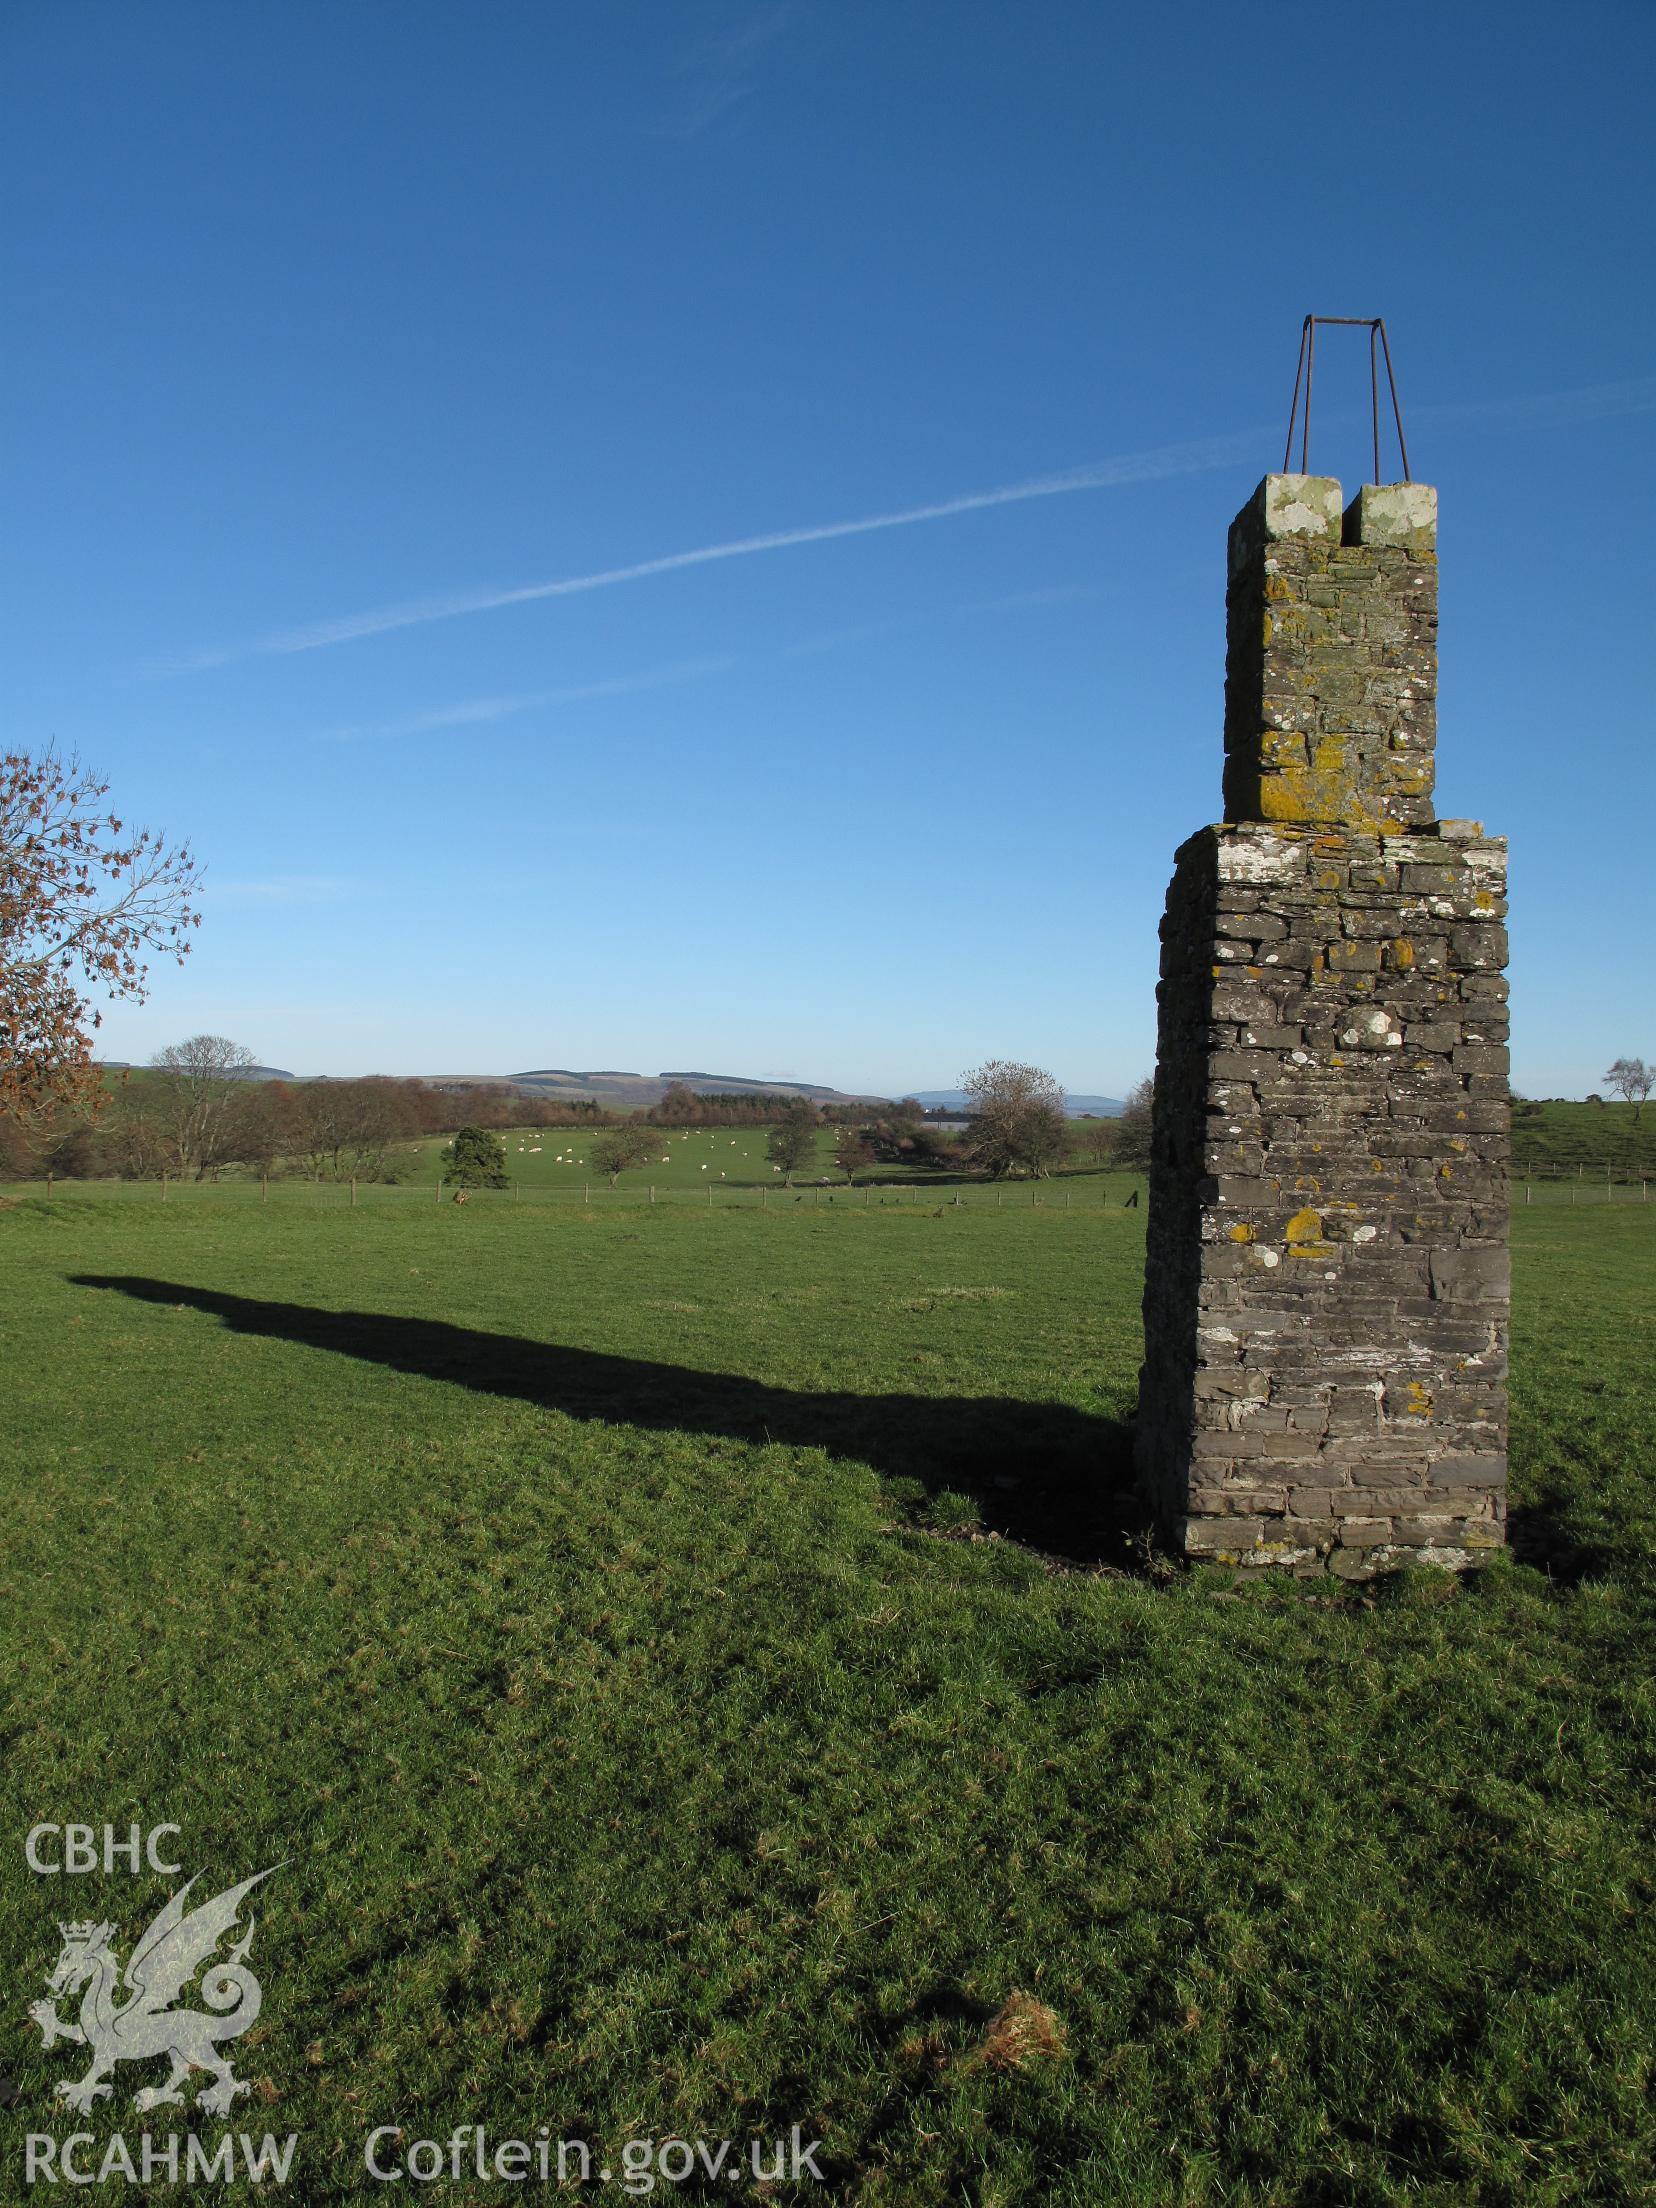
(439, 1191)
(353, 1192)
(1529, 1193)
(652, 1192)
(163, 1188)
(264, 1188)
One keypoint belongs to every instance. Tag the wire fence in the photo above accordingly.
(1630, 1171)
(1079, 1192)
(1094, 1193)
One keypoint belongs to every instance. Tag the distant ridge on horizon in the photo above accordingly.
(612, 1086)
(1076, 1106)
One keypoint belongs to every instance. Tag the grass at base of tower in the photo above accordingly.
(588, 1610)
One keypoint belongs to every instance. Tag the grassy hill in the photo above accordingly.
(1549, 1140)
(636, 1092)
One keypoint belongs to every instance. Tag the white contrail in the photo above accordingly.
(1139, 467)
(1637, 395)
(1594, 402)
(468, 712)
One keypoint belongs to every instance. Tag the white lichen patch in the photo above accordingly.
(1258, 857)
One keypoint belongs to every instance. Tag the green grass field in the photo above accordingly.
(694, 1669)
(1550, 1143)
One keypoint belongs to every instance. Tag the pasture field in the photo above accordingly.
(555, 1159)
(696, 1670)
(1585, 1138)
(554, 1164)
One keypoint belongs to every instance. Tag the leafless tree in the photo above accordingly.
(344, 1128)
(1633, 1080)
(1095, 1140)
(1132, 1126)
(201, 1091)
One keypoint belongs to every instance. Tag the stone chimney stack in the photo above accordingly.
(1326, 1286)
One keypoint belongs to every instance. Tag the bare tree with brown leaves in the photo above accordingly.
(82, 898)
(1016, 1117)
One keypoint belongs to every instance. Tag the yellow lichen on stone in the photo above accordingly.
(1281, 747)
(1419, 1404)
(1241, 1232)
(1402, 953)
(1326, 791)
(1305, 1226)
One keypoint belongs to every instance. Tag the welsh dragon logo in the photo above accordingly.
(144, 2023)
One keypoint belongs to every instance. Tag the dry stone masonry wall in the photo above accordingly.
(1326, 1283)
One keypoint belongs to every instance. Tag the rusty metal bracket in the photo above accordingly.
(1376, 327)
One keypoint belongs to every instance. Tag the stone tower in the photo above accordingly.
(1325, 1300)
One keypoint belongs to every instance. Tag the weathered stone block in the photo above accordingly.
(1393, 513)
(1293, 506)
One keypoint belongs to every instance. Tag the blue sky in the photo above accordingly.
(337, 332)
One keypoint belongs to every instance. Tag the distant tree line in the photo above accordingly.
(683, 1106)
(197, 1111)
